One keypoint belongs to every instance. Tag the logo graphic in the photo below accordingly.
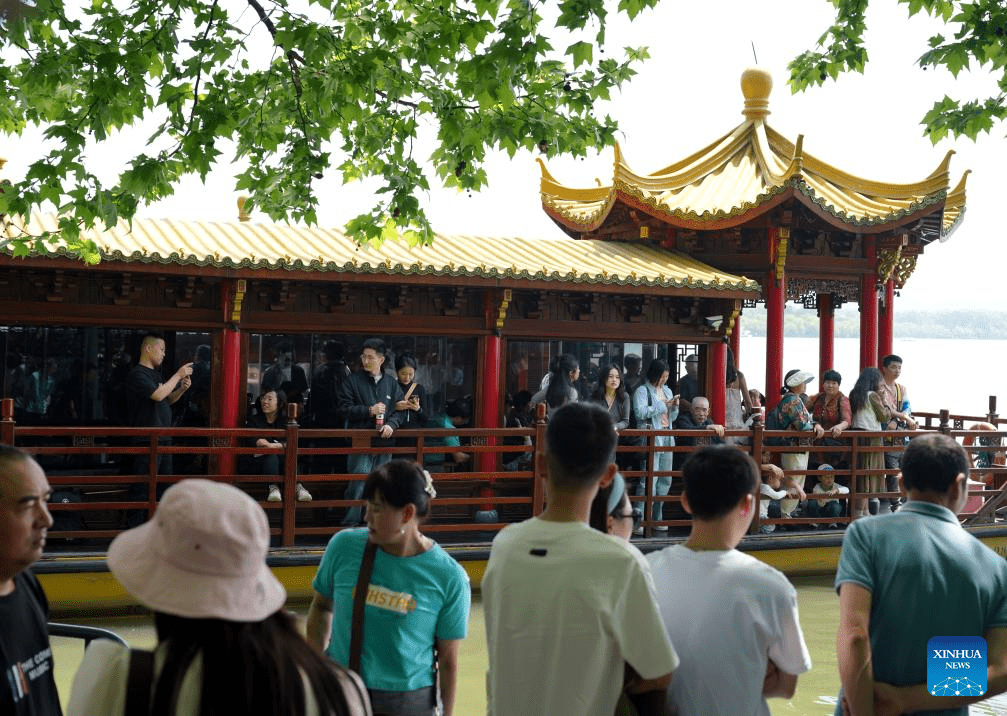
(956, 666)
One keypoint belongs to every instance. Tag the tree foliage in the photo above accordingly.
(975, 38)
(293, 84)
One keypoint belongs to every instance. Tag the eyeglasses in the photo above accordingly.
(636, 514)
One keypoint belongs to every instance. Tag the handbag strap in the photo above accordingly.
(359, 601)
(138, 683)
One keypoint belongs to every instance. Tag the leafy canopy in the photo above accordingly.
(287, 82)
(976, 36)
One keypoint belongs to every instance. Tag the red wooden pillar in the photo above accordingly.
(736, 342)
(232, 391)
(489, 416)
(868, 321)
(869, 308)
(717, 368)
(826, 335)
(776, 294)
(886, 322)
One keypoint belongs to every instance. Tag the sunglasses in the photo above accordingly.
(636, 514)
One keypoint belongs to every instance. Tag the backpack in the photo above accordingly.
(774, 421)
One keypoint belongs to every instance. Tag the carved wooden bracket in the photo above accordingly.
(188, 288)
(450, 302)
(124, 293)
(501, 309)
(240, 288)
(782, 243)
(732, 317)
(282, 299)
(334, 298)
(632, 308)
(56, 290)
(888, 259)
(395, 300)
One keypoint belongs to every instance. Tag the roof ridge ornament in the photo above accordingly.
(756, 86)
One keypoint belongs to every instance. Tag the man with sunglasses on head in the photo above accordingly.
(732, 618)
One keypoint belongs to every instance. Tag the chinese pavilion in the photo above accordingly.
(753, 203)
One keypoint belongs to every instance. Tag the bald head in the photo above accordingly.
(700, 409)
(10, 459)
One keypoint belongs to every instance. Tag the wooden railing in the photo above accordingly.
(474, 501)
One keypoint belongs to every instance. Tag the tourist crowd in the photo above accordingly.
(578, 621)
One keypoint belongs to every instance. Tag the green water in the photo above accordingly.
(816, 690)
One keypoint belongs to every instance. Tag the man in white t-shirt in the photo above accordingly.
(732, 618)
(566, 606)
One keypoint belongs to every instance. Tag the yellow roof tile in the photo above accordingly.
(745, 168)
(248, 244)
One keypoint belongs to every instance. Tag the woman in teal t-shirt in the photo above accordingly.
(418, 597)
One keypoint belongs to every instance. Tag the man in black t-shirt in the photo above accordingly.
(149, 398)
(27, 687)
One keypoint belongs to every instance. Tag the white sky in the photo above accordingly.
(688, 94)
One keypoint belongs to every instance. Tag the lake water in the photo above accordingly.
(816, 690)
(938, 373)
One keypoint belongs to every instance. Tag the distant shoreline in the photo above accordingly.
(957, 324)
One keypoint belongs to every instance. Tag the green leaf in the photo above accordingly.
(581, 52)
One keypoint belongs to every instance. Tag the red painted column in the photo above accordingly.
(489, 417)
(869, 307)
(233, 392)
(826, 335)
(717, 367)
(736, 342)
(776, 295)
(868, 321)
(886, 322)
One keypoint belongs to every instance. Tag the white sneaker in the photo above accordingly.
(302, 494)
(274, 494)
(661, 528)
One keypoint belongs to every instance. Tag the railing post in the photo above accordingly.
(538, 463)
(152, 466)
(649, 485)
(854, 461)
(290, 477)
(945, 426)
(758, 430)
(7, 423)
(992, 415)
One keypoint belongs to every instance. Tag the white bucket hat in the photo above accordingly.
(202, 556)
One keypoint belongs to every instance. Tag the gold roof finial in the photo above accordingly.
(2, 162)
(242, 214)
(756, 85)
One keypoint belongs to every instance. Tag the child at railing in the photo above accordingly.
(828, 487)
(775, 502)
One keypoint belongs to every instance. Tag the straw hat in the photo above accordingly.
(202, 556)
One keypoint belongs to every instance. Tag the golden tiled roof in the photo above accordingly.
(281, 246)
(747, 168)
